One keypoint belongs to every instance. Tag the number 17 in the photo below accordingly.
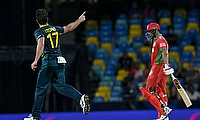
(50, 35)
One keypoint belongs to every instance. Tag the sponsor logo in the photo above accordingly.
(162, 44)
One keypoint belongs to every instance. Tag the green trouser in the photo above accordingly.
(48, 69)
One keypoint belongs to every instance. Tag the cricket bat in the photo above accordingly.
(181, 91)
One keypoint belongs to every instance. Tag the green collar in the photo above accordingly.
(157, 36)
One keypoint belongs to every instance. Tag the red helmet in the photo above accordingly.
(152, 25)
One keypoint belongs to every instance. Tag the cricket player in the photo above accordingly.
(53, 64)
(155, 91)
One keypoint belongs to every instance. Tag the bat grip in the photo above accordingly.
(173, 77)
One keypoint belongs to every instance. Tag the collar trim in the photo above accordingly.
(43, 25)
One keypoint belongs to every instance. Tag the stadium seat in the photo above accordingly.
(175, 48)
(99, 62)
(194, 12)
(119, 78)
(179, 25)
(104, 89)
(186, 65)
(92, 40)
(92, 22)
(116, 53)
(164, 29)
(174, 65)
(103, 34)
(135, 21)
(175, 55)
(96, 72)
(164, 13)
(105, 95)
(181, 11)
(106, 21)
(91, 48)
(179, 19)
(193, 19)
(121, 24)
(134, 30)
(172, 60)
(122, 16)
(120, 33)
(106, 25)
(113, 62)
(133, 55)
(165, 20)
(112, 65)
(121, 21)
(179, 31)
(190, 48)
(193, 35)
(184, 43)
(122, 72)
(132, 49)
(116, 93)
(138, 42)
(121, 39)
(135, 27)
(104, 39)
(142, 66)
(109, 73)
(187, 54)
(107, 46)
(115, 99)
(103, 56)
(187, 60)
(145, 49)
(117, 88)
(192, 25)
(106, 83)
(123, 46)
(187, 57)
(101, 50)
(146, 57)
(91, 33)
(98, 99)
(107, 78)
(117, 83)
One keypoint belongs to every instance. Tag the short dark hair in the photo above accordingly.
(42, 16)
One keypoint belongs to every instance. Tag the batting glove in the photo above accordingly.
(168, 70)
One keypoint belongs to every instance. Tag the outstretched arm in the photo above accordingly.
(73, 25)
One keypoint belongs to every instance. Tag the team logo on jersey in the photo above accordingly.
(162, 44)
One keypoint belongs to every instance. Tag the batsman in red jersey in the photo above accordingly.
(155, 91)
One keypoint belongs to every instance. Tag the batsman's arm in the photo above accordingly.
(165, 56)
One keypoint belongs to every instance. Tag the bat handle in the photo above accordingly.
(173, 77)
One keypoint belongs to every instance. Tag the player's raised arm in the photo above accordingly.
(71, 26)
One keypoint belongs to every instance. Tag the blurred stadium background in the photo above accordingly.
(93, 50)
